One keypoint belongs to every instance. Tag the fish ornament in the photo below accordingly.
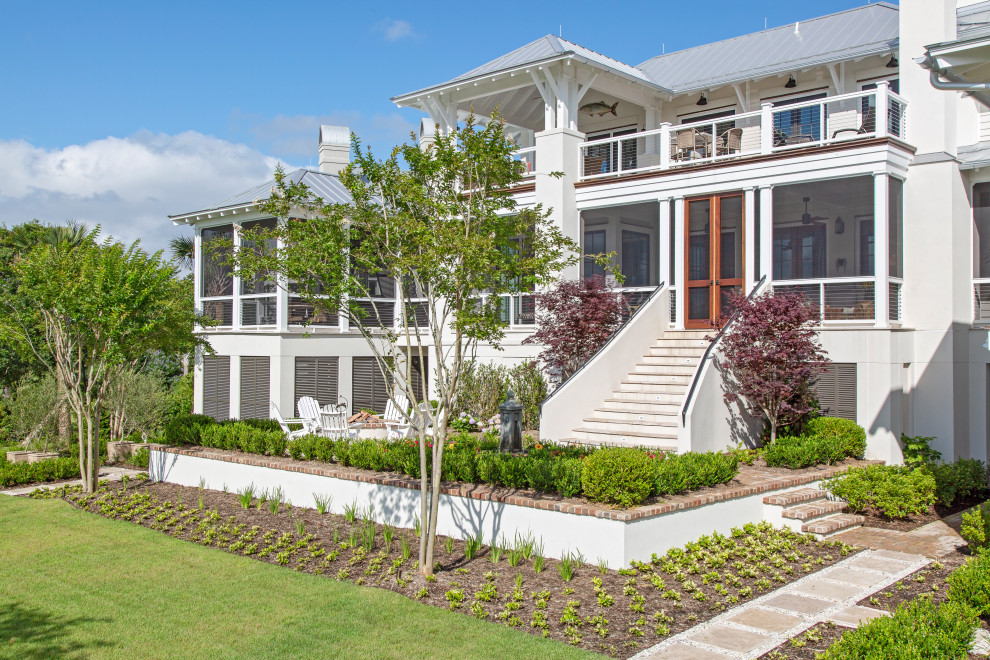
(599, 108)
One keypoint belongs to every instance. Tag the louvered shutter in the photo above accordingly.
(216, 386)
(417, 376)
(836, 390)
(255, 386)
(316, 377)
(369, 385)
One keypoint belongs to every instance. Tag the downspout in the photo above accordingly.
(954, 83)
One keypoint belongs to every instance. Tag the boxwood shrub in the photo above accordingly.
(894, 491)
(849, 436)
(676, 473)
(618, 475)
(825, 440)
(53, 469)
(966, 477)
(970, 584)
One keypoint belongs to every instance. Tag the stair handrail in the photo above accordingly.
(608, 341)
(711, 347)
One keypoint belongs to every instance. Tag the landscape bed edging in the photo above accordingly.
(598, 533)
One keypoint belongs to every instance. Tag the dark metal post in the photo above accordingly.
(510, 419)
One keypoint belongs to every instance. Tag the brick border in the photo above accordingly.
(483, 492)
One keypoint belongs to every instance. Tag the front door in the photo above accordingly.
(713, 257)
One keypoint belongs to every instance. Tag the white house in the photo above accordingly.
(821, 157)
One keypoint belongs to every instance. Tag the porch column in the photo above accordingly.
(679, 261)
(197, 268)
(557, 151)
(663, 245)
(766, 232)
(881, 246)
(750, 276)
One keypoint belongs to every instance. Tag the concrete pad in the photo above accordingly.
(898, 556)
(877, 564)
(768, 620)
(685, 652)
(852, 576)
(981, 642)
(795, 603)
(729, 638)
(851, 617)
(831, 590)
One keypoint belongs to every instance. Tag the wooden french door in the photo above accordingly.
(714, 259)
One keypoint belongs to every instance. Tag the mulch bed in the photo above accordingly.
(929, 580)
(641, 614)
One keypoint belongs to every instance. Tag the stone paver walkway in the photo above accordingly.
(750, 630)
(107, 473)
(936, 539)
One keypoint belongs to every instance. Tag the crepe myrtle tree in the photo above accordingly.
(772, 357)
(439, 221)
(99, 308)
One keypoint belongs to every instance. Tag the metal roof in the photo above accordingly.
(858, 32)
(326, 186)
(974, 156)
(973, 20)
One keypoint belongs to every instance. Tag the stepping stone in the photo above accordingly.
(685, 652)
(830, 590)
(981, 642)
(768, 620)
(729, 638)
(852, 576)
(898, 556)
(877, 564)
(802, 604)
(851, 617)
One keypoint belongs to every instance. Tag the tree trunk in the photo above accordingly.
(82, 450)
(424, 489)
(64, 426)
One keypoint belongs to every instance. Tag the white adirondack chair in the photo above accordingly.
(284, 424)
(334, 426)
(309, 413)
(396, 418)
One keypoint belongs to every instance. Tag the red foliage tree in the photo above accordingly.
(575, 319)
(772, 357)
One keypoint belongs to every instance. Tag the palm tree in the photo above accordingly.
(26, 235)
(183, 250)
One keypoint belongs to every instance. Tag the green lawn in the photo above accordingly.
(73, 584)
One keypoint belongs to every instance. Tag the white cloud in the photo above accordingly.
(297, 136)
(127, 185)
(395, 29)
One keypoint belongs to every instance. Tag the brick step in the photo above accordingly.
(829, 525)
(791, 497)
(812, 510)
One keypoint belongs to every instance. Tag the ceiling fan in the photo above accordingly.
(807, 218)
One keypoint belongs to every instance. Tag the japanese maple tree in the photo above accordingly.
(575, 319)
(772, 357)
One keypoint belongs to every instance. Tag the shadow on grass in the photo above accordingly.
(33, 634)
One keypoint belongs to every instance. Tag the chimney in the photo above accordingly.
(335, 148)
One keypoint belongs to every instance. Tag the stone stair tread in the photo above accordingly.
(650, 411)
(832, 524)
(811, 510)
(668, 448)
(635, 434)
(634, 422)
(795, 496)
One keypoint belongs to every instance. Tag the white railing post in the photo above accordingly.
(665, 145)
(766, 128)
(882, 108)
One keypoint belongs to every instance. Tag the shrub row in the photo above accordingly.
(825, 440)
(55, 469)
(964, 478)
(895, 491)
(244, 437)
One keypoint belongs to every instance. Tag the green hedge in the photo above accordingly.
(895, 491)
(825, 440)
(918, 629)
(244, 437)
(960, 480)
(54, 469)
(618, 476)
(677, 473)
(970, 584)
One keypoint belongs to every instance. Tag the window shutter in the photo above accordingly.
(417, 374)
(369, 385)
(316, 377)
(836, 390)
(255, 386)
(216, 386)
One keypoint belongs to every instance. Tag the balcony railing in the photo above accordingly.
(527, 157)
(772, 129)
(981, 300)
(850, 300)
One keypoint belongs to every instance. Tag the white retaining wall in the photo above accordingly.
(613, 541)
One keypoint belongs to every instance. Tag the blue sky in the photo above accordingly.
(121, 113)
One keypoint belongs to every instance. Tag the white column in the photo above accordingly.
(197, 269)
(665, 145)
(766, 232)
(565, 114)
(882, 107)
(679, 260)
(663, 245)
(235, 387)
(766, 128)
(749, 240)
(881, 245)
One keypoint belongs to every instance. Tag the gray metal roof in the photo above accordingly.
(326, 186)
(974, 156)
(857, 32)
(972, 20)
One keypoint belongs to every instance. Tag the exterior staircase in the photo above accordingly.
(646, 409)
(808, 510)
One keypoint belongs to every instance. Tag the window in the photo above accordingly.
(257, 295)
(316, 377)
(799, 124)
(604, 158)
(635, 258)
(255, 387)
(216, 386)
(720, 128)
(217, 276)
(798, 253)
(866, 245)
(594, 244)
(981, 230)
